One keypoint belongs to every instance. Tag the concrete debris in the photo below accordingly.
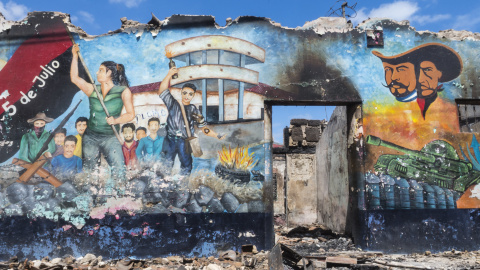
(315, 247)
(204, 195)
(323, 25)
(230, 202)
(454, 34)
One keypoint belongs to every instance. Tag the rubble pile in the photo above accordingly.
(316, 247)
(225, 260)
(320, 248)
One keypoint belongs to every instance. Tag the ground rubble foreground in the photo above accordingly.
(314, 247)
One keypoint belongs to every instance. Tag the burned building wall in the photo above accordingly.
(301, 182)
(202, 177)
(332, 170)
(279, 179)
(295, 163)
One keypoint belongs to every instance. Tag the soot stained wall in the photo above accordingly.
(409, 153)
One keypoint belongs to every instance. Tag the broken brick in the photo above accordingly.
(312, 134)
(298, 122)
(297, 134)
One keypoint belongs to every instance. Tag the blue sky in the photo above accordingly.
(100, 16)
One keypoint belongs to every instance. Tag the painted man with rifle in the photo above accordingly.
(34, 140)
(106, 102)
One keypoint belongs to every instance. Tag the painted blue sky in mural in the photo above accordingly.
(98, 17)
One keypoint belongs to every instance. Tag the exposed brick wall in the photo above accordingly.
(303, 132)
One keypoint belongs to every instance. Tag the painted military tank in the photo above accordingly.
(437, 164)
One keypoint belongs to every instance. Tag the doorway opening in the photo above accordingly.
(296, 134)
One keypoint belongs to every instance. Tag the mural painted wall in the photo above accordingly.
(130, 125)
(131, 147)
(417, 156)
(153, 135)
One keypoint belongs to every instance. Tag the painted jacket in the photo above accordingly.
(31, 145)
(129, 154)
(114, 103)
(175, 123)
(149, 148)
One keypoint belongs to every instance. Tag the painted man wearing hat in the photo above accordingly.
(33, 140)
(416, 74)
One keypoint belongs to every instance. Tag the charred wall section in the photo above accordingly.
(399, 161)
(332, 171)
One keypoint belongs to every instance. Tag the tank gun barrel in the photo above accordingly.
(417, 154)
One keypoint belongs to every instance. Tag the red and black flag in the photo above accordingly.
(36, 78)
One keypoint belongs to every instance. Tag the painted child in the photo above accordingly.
(68, 163)
(59, 139)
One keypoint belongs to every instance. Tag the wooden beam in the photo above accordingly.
(46, 175)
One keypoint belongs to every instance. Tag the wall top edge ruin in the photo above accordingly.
(320, 26)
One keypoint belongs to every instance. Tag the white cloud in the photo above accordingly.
(85, 16)
(13, 11)
(467, 21)
(399, 11)
(127, 3)
(430, 19)
(82, 16)
(360, 17)
(74, 19)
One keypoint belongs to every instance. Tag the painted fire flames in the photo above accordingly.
(237, 158)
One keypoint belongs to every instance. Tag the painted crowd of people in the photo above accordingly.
(98, 134)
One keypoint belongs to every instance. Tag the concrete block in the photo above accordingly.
(292, 143)
(204, 195)
(136, 187)
(312, 134)
(297, 134)
(311, 144)
(298, 122)
(13, 210)
(256, 207)
(314, 123)
(215, 206)
(17, 192)
(242, 208)
(29, 205)
(181, 199)
(50, 204)
(158, 208)
(286, 136)
(43, 191)
(152, 196)
(193, 206)
(66, 192)
(230, 202)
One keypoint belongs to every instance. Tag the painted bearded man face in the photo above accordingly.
(400, 79)
(417, 74)
(428, 79)
(128, 134)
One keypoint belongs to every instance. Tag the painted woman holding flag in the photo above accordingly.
(101, 135)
